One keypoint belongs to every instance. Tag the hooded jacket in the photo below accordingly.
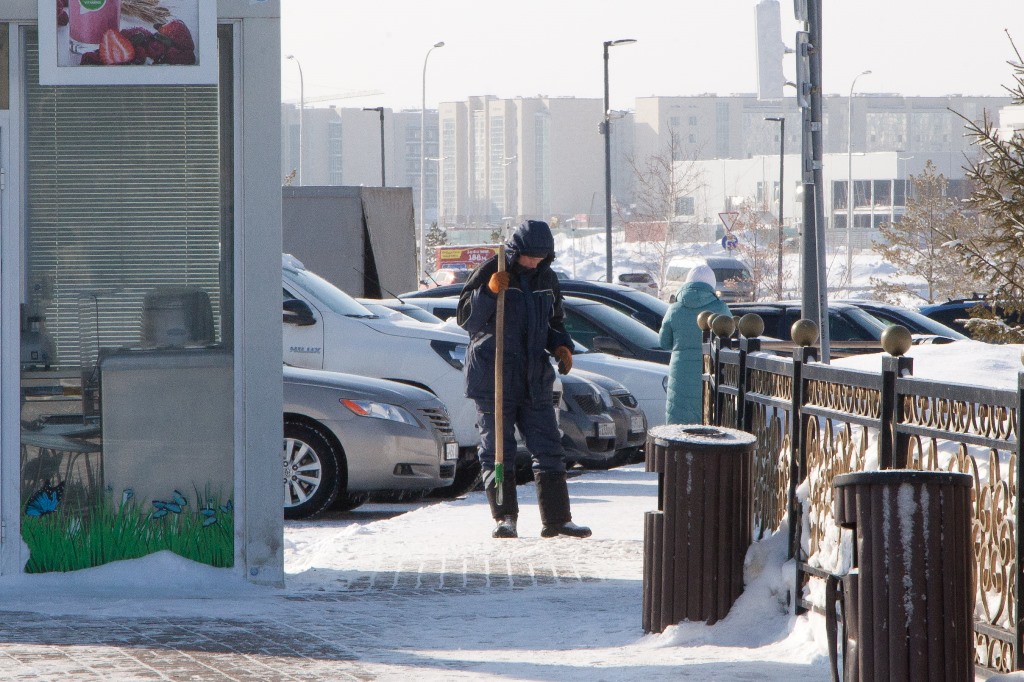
(533, 321)
(681, 335)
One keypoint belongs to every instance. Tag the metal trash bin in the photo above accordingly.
(695, 544)
(908, 604)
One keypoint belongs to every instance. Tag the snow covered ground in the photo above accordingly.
(471, 607)
(420, 591)
(457, 604)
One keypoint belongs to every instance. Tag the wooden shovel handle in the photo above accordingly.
(499, 387)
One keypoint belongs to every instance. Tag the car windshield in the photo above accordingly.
(623, 325)
(326, 293)
(867, 320)
(452, 275)
(677, 273)
(926, 324)
(417, 313)
(725, 274)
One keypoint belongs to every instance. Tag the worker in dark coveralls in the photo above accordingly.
(534, 333)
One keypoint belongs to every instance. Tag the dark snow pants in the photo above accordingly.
(538, 426)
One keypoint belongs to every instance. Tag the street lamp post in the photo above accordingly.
(423, 167)
(849, 178)
(302, 111)
(782, 167)
(380, 110)
(606, 129)
(900, 176)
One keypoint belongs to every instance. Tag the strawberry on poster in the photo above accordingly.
(147, 33)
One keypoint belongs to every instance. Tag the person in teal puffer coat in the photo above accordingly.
(681, 335)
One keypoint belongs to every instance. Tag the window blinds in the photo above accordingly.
(124, 195)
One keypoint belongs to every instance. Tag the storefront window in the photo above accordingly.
(127, 373)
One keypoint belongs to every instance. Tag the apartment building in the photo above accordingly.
(492, 161)
(506, 159)
(342, 146)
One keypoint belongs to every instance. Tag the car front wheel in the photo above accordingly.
(311, 466)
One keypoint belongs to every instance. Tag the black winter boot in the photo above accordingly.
(507, 513)
(506, 528)
(553, 498)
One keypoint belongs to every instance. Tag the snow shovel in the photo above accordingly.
(499, 389)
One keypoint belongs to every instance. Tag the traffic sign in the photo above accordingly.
(728, 219)
(730, 241)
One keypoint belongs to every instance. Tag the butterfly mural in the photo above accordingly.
(209, 515)
(177, 503)
(45, 500)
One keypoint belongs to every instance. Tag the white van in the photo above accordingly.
(733, 278)
(325, 328)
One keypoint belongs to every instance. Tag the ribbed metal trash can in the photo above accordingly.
(908, 605)
(695, 544)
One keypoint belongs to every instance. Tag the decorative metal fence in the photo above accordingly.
(814, 422)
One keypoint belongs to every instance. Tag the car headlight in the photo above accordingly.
(606, 397)
(452, 353)
(369, 408)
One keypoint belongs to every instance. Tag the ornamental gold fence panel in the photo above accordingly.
(814, 422)
(974, 430)
(840, 417)
(768, 410)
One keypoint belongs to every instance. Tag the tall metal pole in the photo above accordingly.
(849, 178)
(817, 170)
(422, 264)
(814, 296)
(606, 129)
(782, 183)
(380, 110)
(302, 112)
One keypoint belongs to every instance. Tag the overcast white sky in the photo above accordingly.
(685, 47)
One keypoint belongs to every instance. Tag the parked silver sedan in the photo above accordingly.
(347, 436)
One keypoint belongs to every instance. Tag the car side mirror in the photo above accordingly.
(672, 298)
(606, 344)
(298, 313)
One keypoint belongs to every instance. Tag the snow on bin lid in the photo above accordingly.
(699, 434)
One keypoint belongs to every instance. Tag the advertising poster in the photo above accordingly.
(127, 42)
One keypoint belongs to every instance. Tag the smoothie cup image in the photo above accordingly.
(89, 20)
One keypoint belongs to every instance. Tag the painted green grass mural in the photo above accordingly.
(61, 538)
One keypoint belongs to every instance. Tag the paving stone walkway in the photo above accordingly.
(301, 634)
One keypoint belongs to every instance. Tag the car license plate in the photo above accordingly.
(606, 430)
(636, 423)
(451, 451)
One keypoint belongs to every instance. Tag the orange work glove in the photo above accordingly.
(498, 282)
(564, 356)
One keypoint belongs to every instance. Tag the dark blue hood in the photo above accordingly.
(532, 238)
